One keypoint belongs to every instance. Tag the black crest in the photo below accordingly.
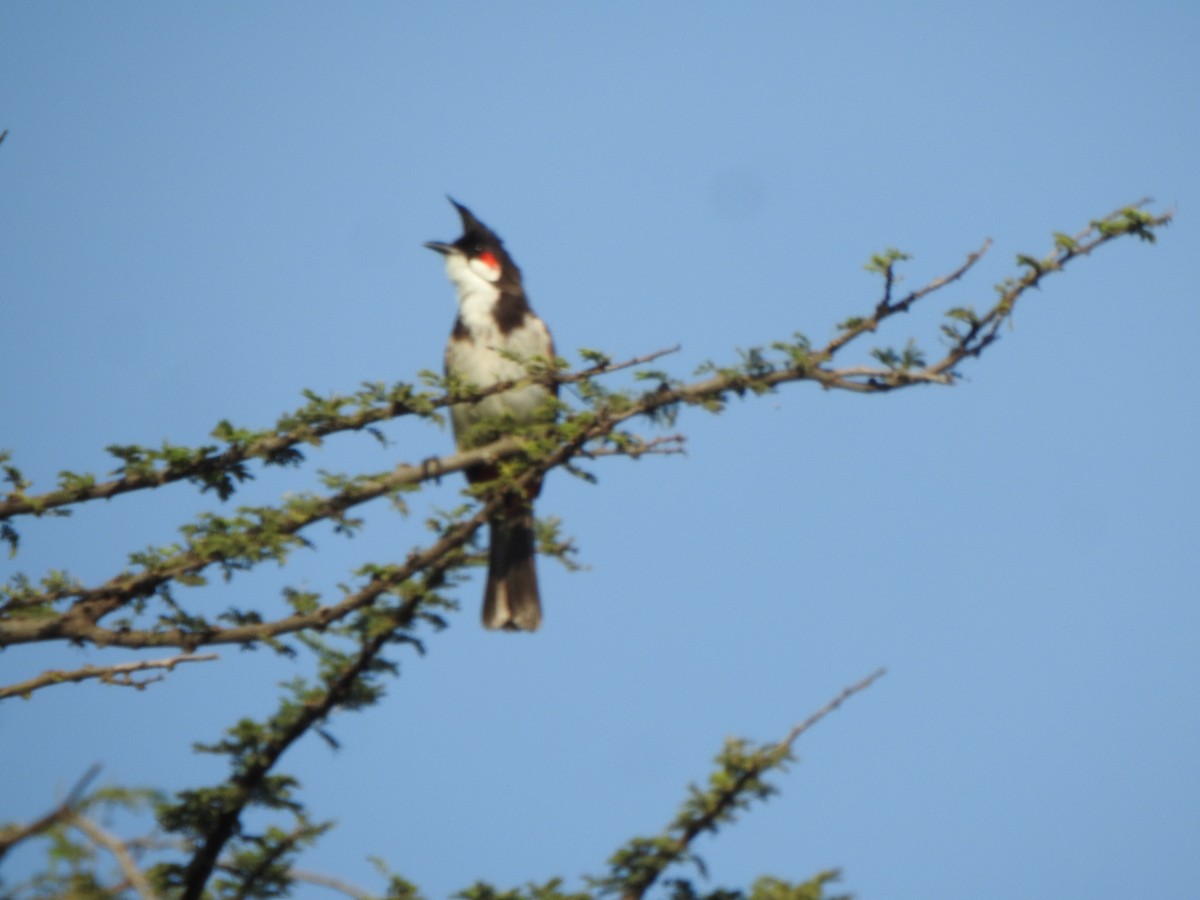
(478, 238)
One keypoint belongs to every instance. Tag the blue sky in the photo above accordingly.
(208, 208)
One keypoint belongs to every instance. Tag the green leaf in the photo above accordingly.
(882, 263)
(1065, 242)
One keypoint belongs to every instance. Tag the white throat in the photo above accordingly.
(477, 296)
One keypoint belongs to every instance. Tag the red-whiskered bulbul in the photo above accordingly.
(494, 333)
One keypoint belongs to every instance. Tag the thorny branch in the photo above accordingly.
(737, 782)
(638, 867)
(94, 603)
(584, 433)
(276, 445)
(340, 687)
(77, 625)
(591, 431)
(768, 758)
(225, 823)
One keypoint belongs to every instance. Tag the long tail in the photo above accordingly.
(510, 600)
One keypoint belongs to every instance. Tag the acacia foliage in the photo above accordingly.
(202, 845)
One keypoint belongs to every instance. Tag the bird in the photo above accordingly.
(495, 331)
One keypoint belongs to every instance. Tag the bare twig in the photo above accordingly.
(667, 445)
(135, 877)
(846, 694)
(119, 674)
(334, 884)
(14, 834)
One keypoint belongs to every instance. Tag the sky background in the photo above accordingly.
(210, 207)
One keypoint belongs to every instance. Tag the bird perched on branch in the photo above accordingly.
(495, 333)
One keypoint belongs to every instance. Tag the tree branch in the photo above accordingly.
(120, 851)
(276, 446)
(666, 445)
(334, 884)
(271, 533)
(80, 621)
(253, 771)
(211, 819)
(14, 834)
(81, 628)
(737, 781)
(887, 307)
(120, 674)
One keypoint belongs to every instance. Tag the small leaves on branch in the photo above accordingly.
(737, 781)
(205, 827)
(59, 607)
(210, 849)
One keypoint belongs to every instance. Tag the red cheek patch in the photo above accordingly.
(488, 258)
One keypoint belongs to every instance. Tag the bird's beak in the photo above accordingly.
(439, 247)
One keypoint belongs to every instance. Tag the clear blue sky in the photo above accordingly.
(209, 207)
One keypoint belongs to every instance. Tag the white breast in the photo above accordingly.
(480, 361)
